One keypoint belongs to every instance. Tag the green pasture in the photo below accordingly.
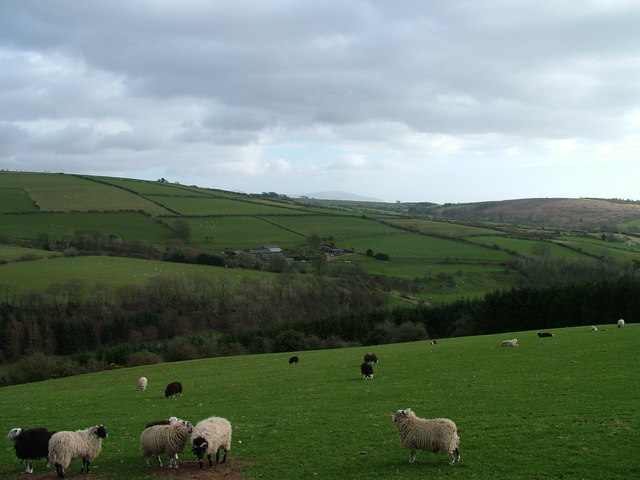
(149, 187)
(442, 228)
(600, 248)
(217, 234)
(16, 200)
(9, 253)
(67, 193)
(528, 247)
(219, 206)
(114, 271)
(404, 245)
(126, 225)
(340, 228)
(561, 407)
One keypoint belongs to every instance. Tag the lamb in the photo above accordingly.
(594, 329)
(367, 370)
(30, 444)
(173, 389)
(293, 360)
(168, 439)
(431, 435)
(545, 334)
(66, 446)
(210, 435)
(166, 421)
(142, 383)
(620, 323)
(509, 343)
(370, 358)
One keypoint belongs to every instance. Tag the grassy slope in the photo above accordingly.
(114, 271)
(552, 408)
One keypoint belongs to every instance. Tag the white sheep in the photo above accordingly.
(142, 383)
(66, 446)
(594, 329)
(509, 343)
(209, 436)
(620, 323)
(431, 435)
(165, 439)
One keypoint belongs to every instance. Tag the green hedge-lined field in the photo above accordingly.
(114, 271)
(560, 407)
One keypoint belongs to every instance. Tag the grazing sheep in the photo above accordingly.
(433, 342)
(142, 383)
(173, 389)
(166, 421)
(370, 358)
(620, 323)
(30, 444)
(545, 334)
(594, 329)
(509, 343)
(431, 435)
(66, 446)
(293, 360)
(168, 439)
(367, 370)
(210, 435)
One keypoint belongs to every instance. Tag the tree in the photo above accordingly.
(182, 230)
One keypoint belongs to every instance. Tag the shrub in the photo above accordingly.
(143, 357)
(289, 341)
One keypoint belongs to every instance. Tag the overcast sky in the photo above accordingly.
(440, 100)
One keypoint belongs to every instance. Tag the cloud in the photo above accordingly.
(207, 91)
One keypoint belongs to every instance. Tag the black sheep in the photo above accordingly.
(545, 334)
(293, 360)
(370, 358)
(367, 370)
(30, 444)
(173, 389)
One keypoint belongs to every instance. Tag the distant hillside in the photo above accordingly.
(336, 195)
(580, 213)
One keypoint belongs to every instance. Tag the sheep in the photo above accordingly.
(370, 358)
(142, 383)
(594, 329)
(30, 444)
(173, 389)
(166, 421)
(210, 435)
(620, 323)
(431, 435)
(433, 342)
(545, 334)
(509, 343)
(66, 446)
(168, 439)
(367, 370)
(293, 360)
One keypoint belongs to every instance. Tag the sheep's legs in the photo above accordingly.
(413, 456)
(173, 461)
(455, 456)
(29, 468)
(60, 470)
(210, 462)
(224, 459)
(86, 466)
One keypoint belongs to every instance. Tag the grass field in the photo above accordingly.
(126, 225)
(114, 271)
(562, 407)
(442, 228)
(528, 247)
(9, 253)
(65, 193)
(220, 206)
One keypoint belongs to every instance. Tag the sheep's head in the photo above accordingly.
(13, 433)
(100, 431)
(199, 446)
(400, 414)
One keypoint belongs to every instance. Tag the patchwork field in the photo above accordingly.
(560, 407)
(114, 271)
